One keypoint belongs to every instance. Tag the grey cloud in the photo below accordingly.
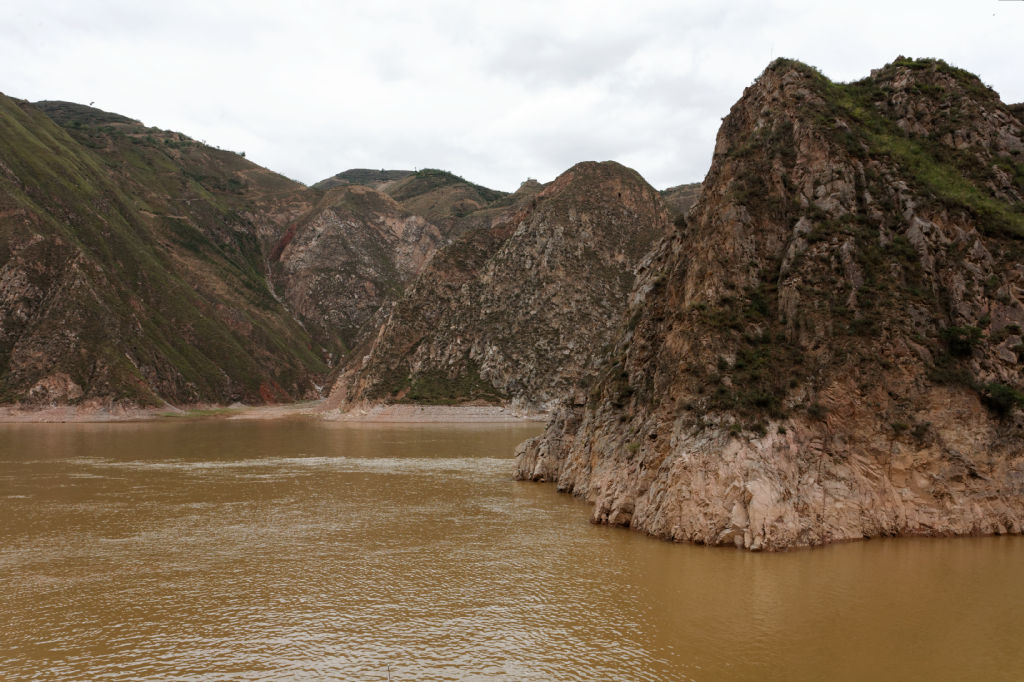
(495, 93)
(551, 61)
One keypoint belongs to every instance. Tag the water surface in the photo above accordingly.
(296, 549)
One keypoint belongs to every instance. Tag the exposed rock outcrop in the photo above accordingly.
(355, 251)
(516, 308)
(830, 347)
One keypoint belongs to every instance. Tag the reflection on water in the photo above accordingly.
(294, 549)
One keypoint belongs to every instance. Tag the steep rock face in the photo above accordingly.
(128, 270)
(352, 253)
(515, 309)
(830, 347)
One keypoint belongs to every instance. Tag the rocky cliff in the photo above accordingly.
(130, 268)
(830, 347)
(516, 306)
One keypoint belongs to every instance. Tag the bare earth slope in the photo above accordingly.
(831, 348)
(516, 308)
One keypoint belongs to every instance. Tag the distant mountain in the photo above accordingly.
(830, 346)
(442, 198)
(375, 179)
(681, 198)
(515, 308)
(351, 255)
(141, 266)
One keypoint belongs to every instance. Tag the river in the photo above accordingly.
(299, 549)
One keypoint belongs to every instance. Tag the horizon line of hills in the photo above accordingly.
(822, 341)
(76, 114)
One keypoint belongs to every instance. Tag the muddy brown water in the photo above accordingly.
(217, 550)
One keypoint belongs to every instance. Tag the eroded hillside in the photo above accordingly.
(515, 308)
(129, 272)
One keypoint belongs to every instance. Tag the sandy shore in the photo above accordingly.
(308, 410)
(436, 413)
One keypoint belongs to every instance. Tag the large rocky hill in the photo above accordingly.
(141, 266)
(367, 236)
(517, 306)
(129, 270)
(831, 346)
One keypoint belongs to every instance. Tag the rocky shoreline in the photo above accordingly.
(803, 483)
(384, 413)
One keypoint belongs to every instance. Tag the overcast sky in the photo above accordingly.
(495, 92)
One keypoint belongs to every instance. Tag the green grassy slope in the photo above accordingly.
(130, 270)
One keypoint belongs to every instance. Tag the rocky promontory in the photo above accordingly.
(830, 347)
